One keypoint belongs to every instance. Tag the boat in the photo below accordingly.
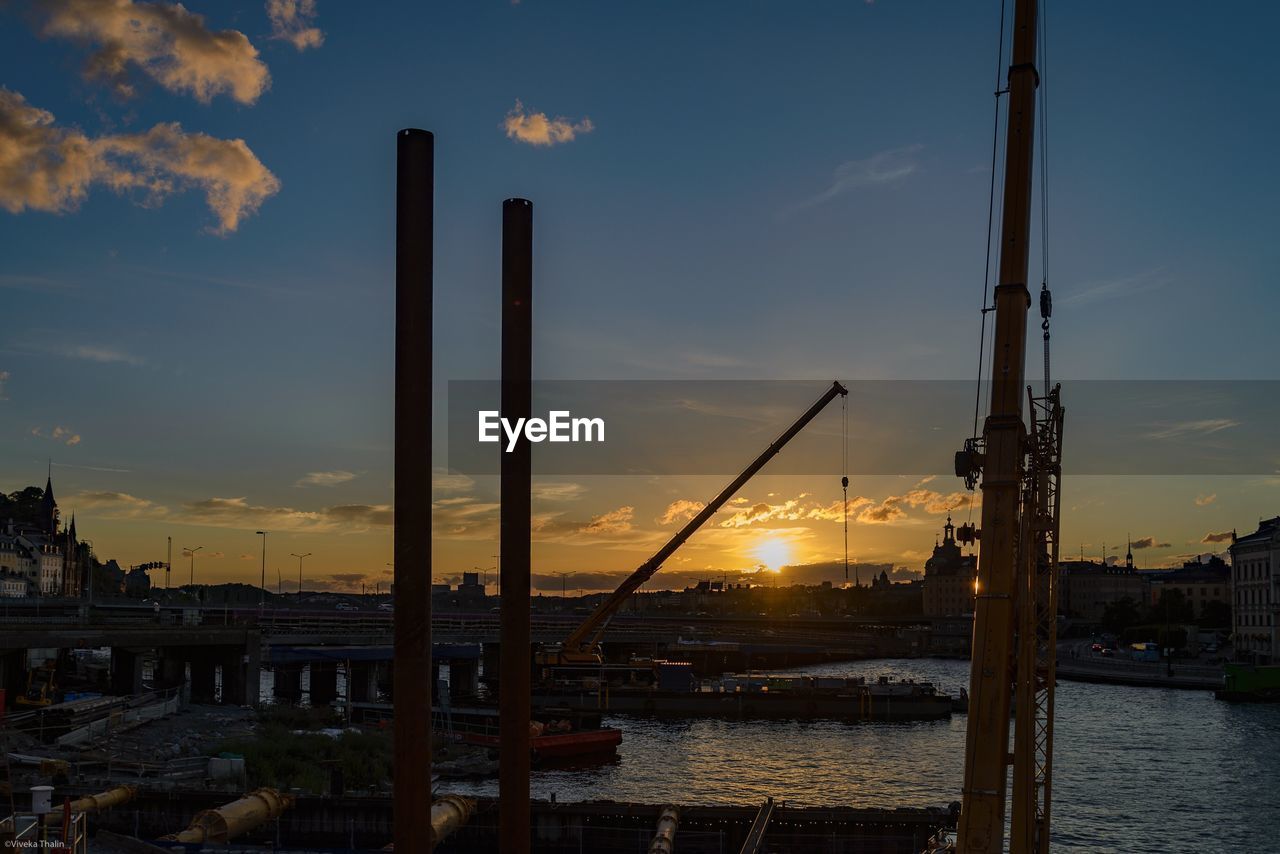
(1250, 683)
(675, 692)
(549, 743)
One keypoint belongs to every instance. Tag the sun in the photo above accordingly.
(774, 553)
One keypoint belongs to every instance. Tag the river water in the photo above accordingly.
(1135, 769)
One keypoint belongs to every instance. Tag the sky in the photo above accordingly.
(196, 234)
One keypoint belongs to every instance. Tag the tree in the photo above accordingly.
(1215, 615)
(1120, 615)
(1173, 608)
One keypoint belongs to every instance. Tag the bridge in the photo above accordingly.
(224, 649)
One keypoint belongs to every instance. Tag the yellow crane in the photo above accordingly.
(583, 645)
(1020, 466)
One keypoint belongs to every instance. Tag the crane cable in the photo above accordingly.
(991, 205)
(844, 481)
(1046, 299)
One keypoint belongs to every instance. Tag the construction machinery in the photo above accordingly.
(1020, 466)
(583, 645)
(42, 687)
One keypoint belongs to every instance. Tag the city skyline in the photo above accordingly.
(203, 345)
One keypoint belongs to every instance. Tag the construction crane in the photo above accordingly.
(1020, 466)
(583, 646)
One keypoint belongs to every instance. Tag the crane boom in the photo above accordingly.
(1005, 534)
(580, 647)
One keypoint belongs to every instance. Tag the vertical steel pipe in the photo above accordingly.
(415, 190)
(515, 662)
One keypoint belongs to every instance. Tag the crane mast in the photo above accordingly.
(582, 647)
(1014, 629)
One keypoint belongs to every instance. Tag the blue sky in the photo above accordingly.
(766, 190)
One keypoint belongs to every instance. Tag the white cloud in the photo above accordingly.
(65, 435)
(49, 168)
(106, 355)
(292, 21)
(537, 129)
(1203, 427)
(326, 478)
(880, 169)
(164, 41)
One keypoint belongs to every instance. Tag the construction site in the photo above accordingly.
(194, 727)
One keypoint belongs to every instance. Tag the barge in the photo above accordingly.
(674, 692)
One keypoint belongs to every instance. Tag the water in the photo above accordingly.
(1135, 769)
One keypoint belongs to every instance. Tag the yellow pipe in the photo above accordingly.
(231, 820)
(104, 800)
(96, 803)
(664, 841)
(448, 814)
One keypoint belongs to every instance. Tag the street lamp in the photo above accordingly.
(192, 553)
(563, 577)
(300, 557)
(262, 597)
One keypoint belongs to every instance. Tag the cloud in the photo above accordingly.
(442, 481)
(65, 435)
(1219, 537)
(1203, 427)
(4, 378)
(247, 557)
(613, 522)
(1148, 543)
(48, 168)
(164, 41)
(557, 491)
(1106, 289)
(1203, 500)
(291, 21)
(104, 355)
(239, 513)
(681, 510)
(880, 169)
(537, 129)
(326, 478)
(117, 505)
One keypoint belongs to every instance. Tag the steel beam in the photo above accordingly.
(415, 188)
(514, 687)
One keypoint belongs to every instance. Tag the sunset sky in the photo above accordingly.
(196, 257)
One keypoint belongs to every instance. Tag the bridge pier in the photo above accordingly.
(490, 654)
(13, 673)
(324, 682)
(464, 678)
(171, 668)
(361, 683)
(286, 683)
(126, 671)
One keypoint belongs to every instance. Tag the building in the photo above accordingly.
(1087, 588)
(1255, 592)
(949, 578)
(51, 557)
(1200, 583)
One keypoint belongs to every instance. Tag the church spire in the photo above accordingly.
(49, 507)
(1128, 556)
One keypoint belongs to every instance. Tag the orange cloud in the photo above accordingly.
(47, 168)
(680, 510)
(165, 42)
(291, 21)
(537, 129)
